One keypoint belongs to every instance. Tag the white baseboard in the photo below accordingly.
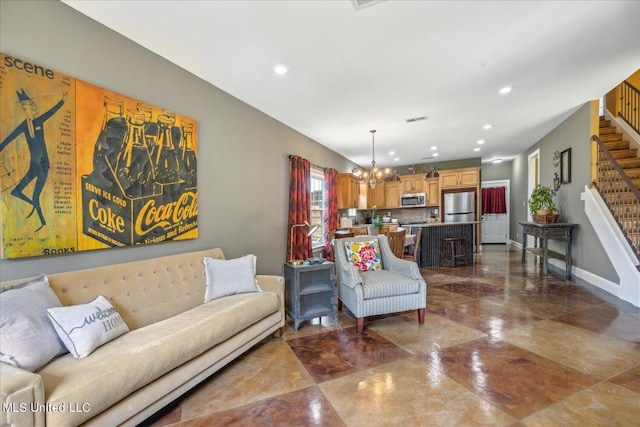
(587, 276)
(514, 243)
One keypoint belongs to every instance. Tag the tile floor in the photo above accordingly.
(502, 345)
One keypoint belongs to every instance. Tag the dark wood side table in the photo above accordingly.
(545, 232)
(309, 291)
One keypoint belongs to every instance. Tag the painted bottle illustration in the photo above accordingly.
(163, 154)
(150, 127)
(134, 170)
(109, 143)
(187, 155)
(113, 108)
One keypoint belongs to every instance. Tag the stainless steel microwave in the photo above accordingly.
(414, 200)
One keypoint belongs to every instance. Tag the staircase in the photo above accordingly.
(612, 206)
(618, 181)
(620, 150)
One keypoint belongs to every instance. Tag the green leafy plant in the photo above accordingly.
(542, 199)
(377, 222)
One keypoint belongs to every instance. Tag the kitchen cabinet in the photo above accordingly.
(392, 194)
(376, 196)
(350, 193)
(459, 178)
(309, 291)
(413, 183)
(433, 192)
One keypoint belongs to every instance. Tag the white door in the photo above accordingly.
(495, 227)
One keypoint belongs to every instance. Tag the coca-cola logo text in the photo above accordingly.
(166, 215)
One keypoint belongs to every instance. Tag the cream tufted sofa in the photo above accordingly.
(175, 342)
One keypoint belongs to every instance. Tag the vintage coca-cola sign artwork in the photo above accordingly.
(82, 167)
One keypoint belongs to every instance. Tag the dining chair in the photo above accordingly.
(359, 231)
(339, 234)
(396, 241)
(336, 234)
(416, 247)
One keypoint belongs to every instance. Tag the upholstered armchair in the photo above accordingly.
(398, 286)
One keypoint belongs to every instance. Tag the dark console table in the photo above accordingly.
(545, 232)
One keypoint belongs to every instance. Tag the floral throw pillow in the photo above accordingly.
(364, 255)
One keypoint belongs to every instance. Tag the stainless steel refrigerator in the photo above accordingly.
(459, 207)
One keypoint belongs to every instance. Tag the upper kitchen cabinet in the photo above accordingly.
(459, 178)
(392, 191)
(433, 192)
(376, 196)
(413, 183)
(350, 192)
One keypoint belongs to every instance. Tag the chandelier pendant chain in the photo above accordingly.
(373, 179)
(373, 151)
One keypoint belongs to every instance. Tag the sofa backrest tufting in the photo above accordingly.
(143, 292)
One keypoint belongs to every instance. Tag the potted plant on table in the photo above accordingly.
(541, 205)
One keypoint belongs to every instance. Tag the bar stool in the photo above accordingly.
(453, 243)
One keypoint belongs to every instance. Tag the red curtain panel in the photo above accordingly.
(299, 208)
(330, 208)
(494, 200)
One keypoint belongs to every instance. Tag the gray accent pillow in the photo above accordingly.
(230, 276)
(27, 338)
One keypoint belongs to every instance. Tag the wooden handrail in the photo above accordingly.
(620, 194)
(617, 167)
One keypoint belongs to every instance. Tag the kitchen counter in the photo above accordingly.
(432, 235)
(437, 224)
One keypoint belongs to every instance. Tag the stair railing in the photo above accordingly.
(630, 105)
(620, 194)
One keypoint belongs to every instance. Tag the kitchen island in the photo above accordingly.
(434, 232)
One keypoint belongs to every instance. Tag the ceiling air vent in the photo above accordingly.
(416, 119)
(361, 4)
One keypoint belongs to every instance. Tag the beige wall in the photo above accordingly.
(634, 79)
(243, 167)
(612, 98)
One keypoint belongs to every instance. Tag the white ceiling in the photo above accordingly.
(355, 70)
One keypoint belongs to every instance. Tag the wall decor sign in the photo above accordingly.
(565, 166)
(83, 167)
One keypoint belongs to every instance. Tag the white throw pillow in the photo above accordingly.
(230, 276)
(27, 338)
(85, 327)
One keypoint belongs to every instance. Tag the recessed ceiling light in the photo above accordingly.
(476, 149)
(434, 148)
(395, 159)
(481, 141)
(435, 154)
(391, 153)
(505, 90)
(487, 126)
(416, 119)
(497, 160)
(280, 69)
